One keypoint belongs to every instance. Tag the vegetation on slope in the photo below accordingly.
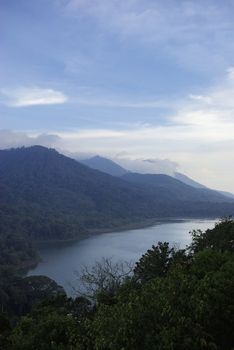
(47, 196)
(175, 299)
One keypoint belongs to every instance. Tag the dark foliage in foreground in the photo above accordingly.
(176, 300)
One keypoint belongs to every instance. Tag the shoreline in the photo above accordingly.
(126, 227)
(101, 244)
(97, 231)
(23, 268)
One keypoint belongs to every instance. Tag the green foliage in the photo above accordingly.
(57, 324)
(157, 261)
(47, 196)
(16, 251)
(175, 300)
(220, 238)
(46, 332)
(183, 301)
(182, 310)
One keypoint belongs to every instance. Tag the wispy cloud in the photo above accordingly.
(121, 102)
(198, 136)
(148, 166)
(196, 33)
(212, 109)
(91, 134)
(9, 139)
(32, 96)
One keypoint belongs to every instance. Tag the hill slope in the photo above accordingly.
(51, 195)
(188, 181)
(45, 195)
(105, 165)
(168, 187)
(108, 166)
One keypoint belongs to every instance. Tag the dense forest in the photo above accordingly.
(47, 196)
(173, 299)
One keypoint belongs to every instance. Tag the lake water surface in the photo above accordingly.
(61, 260)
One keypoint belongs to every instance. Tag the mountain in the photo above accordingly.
(45, 195)
(168, 187)
(108, 166)
(187, 180)
(105, 165)
(227, 194)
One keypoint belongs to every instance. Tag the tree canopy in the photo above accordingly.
(174, 300)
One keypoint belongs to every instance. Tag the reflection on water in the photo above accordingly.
(59, 261)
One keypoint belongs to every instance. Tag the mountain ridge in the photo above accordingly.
(95, 163)
(105, 165)
(45, 195)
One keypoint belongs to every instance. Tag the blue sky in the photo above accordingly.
(133, 79)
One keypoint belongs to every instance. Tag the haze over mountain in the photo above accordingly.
(110, 167)
(120, 166)
(187, 180)
(46, 195)
(167, 187)
(105, 165)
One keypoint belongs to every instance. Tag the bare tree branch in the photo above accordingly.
(105, 276)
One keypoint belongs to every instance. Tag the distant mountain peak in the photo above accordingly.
(105, 165)
(99, 157)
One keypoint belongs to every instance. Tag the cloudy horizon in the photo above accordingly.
(129, 80)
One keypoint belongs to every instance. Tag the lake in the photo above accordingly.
(61, 260)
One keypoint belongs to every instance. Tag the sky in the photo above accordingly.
(150, 81)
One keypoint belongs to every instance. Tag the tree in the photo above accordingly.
(220, 238)
(101, 281)
(157, 261)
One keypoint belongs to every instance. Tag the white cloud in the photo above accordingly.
(91, 134)
(213, 109)
(207, 160)
(32, 96)
(198, 136)
(11, 139)
(148, 166)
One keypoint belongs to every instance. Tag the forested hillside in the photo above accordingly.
(108, 166)
(167, 187)
(45, 196)
(51, 196)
